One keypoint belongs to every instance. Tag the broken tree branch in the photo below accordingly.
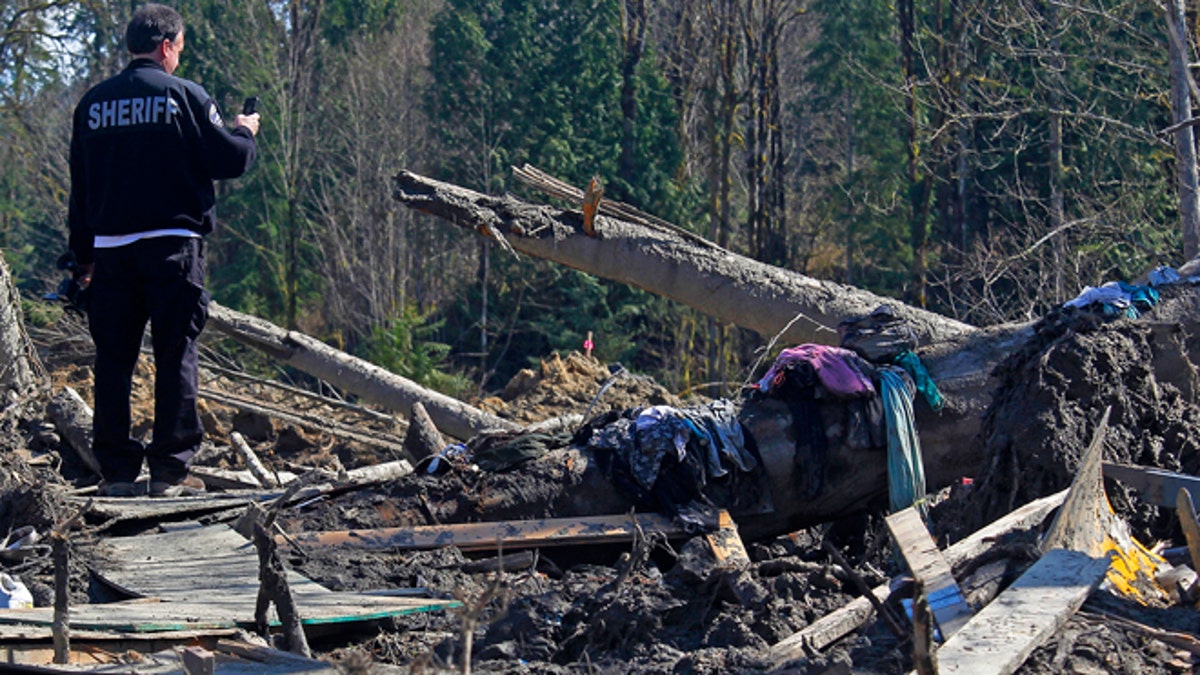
(306, 421)
(273, 586)
(253, 463)
(354, 375)
(61, 554)
(72, 416)
(423, 438)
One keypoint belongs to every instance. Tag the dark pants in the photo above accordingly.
(161, 280)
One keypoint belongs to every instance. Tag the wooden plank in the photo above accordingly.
(1157, 486)
(157, 656)
(15, 633)
(726, 545)
(837, 624)
(508, 534)
(206, 579)
(1187, 520)
(926, 563)
(187, 566)
(123, 509)
(1002, 635)
(330, 608)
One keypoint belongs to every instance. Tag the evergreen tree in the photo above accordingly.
(540, 82)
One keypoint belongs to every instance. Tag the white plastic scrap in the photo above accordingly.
(13, 593)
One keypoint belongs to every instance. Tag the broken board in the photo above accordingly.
(726, 545)
(205, 578)
(1156, 486)
(931, 569)
(833, 626)
(124, 509)
(509, 534)
(1002, 635)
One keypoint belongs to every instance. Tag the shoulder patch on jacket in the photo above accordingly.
(214, 115)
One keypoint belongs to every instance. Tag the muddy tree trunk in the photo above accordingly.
(18, 372)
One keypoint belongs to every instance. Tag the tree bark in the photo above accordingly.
(342, 370)
(18, 372)
(1185, 147)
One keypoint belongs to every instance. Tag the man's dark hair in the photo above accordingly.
(150, 25)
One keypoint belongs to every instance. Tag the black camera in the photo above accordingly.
(69, 291)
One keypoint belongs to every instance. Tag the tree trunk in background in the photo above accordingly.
(19, 373)
(633, 28)
(1056, 172)
(761, 28)
(919, 187)
(1185, 142)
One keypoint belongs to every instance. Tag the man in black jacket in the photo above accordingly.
(146, 147)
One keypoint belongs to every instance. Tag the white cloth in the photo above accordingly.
(116, 240)
(1108, 294)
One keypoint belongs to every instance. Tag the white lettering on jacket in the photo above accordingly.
(126, 112)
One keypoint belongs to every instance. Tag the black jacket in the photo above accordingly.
(145, 149)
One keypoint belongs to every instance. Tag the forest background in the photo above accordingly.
(982, 158)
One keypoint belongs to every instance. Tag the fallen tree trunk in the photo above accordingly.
(364, 379)
(722, 284)
(852, 477)
(745, 292)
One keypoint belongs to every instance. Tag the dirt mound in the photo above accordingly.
(1052, 396)
(575, 384)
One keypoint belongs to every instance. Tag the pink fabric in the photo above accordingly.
(835, 368)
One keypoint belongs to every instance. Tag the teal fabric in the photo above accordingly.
(911, 363)
(906, 472)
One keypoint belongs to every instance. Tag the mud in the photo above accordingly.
(1052, 396)
(659, 606)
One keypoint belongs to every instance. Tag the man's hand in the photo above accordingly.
(83, 275)
(248, 121)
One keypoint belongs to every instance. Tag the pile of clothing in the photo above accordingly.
(1119, 299)
(663, 457)
(875, 374)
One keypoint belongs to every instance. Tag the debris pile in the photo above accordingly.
(523, 570)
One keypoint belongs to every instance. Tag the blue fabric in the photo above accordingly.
(1143, 297)
(911, 363)
(906, 473)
